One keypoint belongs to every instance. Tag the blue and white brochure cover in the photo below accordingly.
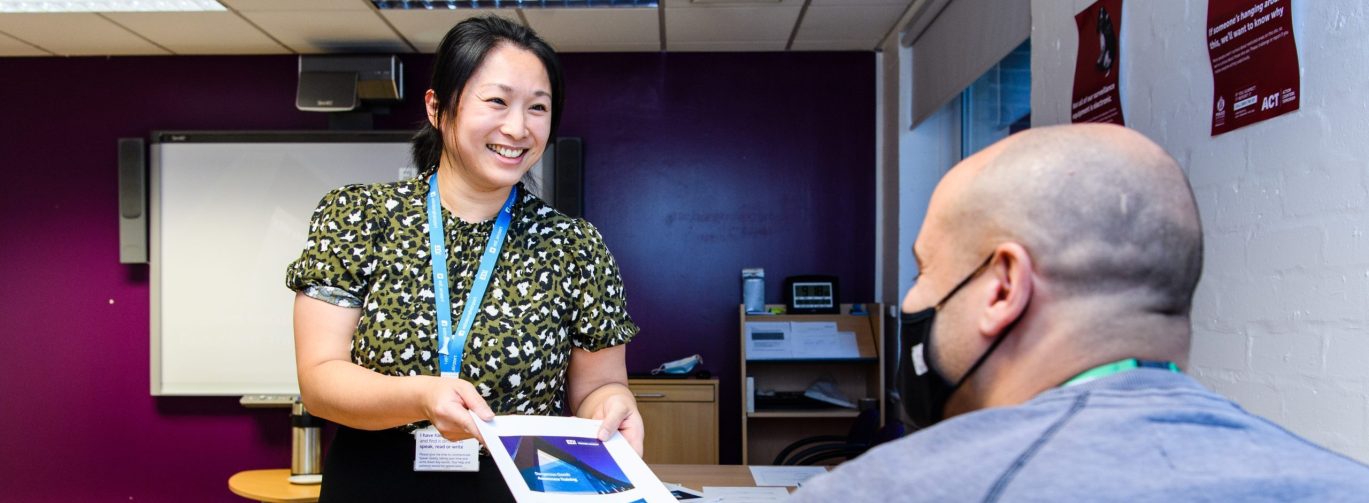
(558, 459)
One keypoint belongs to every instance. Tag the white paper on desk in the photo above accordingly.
(746, 494)
(822, 340)
(768, 340)
(788, 476)
(558, 459)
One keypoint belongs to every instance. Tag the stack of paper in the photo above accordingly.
(770, 340)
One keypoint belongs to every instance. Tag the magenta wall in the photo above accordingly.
(696, 165)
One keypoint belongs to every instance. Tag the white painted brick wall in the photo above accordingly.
(1281, 317)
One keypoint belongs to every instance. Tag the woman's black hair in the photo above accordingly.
(458, 56)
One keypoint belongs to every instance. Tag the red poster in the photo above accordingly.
(1254, 61)
(1096, 97)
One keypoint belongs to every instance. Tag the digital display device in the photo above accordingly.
(811, 295)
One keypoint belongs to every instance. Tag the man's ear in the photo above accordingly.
(1010, 273)
(430, 100)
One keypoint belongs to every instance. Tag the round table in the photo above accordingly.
(271, 486)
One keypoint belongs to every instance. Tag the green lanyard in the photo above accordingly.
(1118, 367)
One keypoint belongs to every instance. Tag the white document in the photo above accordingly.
(432, 453)
(559, 459)
(788, 476)
(827, 391)
(768, 340)
(746, 494)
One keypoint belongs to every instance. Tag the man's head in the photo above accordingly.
(1093, 250)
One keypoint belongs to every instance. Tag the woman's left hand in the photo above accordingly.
(618, 412)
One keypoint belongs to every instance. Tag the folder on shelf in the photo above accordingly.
(768, 340)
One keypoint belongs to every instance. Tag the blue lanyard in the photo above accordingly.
(451, 348)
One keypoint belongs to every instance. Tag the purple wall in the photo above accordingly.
(696, 165)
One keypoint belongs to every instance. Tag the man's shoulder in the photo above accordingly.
(1121, 438)
(954, 460)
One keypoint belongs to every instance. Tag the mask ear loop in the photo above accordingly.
(965, 281)
(1002, 336)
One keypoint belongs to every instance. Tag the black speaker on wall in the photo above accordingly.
(569, 181)
(132, 201)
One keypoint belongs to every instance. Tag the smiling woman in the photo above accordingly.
(543, 319)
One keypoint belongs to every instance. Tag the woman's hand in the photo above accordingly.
(618, 412)
(446, 402)
(597, 389)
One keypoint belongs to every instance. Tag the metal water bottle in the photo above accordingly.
(753, 289)
(306, 459)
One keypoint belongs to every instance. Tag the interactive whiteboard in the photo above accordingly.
(229, 211)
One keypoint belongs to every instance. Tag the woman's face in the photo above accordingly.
(502, 121)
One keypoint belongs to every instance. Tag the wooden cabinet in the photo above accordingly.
(766, 431)
(681, 417)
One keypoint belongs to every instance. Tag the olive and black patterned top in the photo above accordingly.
(554, 288)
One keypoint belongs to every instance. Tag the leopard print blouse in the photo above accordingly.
(554, 288)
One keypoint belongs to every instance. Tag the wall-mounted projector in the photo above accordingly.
(341, 83)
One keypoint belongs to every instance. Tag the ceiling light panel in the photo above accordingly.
(110, 6)
(509, 4)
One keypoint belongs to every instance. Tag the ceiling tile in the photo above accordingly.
(329, 31)
(865, 23)
(75, 34)
(425, 28)
(296, 5)
(833, 45)
(770, 46)
(199, 32)
(693, 25)
(10, 46)
(622, 29)
(656, 47)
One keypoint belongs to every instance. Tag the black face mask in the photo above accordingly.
(922, 388)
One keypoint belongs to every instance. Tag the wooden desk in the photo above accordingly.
(697, 476)
(273, 486)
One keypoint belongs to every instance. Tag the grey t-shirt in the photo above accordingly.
(1145, 434)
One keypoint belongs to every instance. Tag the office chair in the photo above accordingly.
(864, 434)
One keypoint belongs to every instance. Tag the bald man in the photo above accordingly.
(1048, 327)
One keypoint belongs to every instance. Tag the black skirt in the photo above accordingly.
(379, 466)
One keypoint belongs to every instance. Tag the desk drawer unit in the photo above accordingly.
(681, 418)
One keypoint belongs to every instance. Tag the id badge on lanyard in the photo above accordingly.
(432, 452)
